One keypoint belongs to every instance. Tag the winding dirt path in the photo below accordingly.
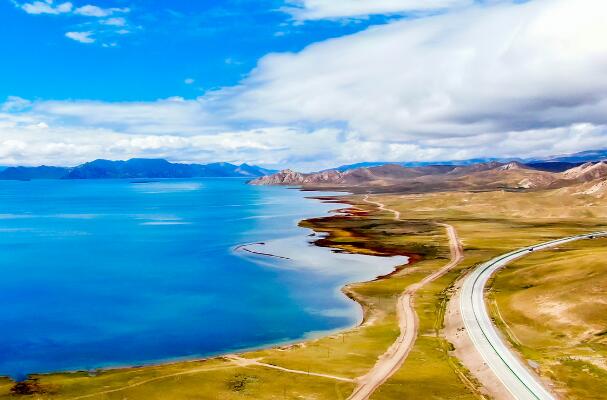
(235, 361)
(383, 207)
(245, 362)
(145, 382)
(395, 356)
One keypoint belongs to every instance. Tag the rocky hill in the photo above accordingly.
(481, 176)
(587, 172)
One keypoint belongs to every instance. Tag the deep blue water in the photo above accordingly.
(111, 273)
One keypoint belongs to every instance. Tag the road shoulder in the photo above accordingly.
(456, 334)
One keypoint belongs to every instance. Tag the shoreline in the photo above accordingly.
(348, 211)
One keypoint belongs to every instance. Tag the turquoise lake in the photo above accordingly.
(116, 273)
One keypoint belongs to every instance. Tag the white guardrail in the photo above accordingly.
(520, 380)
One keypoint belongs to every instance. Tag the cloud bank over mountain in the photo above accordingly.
(499, 79)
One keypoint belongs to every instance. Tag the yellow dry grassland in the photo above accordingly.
(493, 223)
(552, 306)
(488, 223)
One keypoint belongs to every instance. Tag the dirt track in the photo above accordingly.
(396, 355)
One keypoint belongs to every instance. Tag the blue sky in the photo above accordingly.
(306, 84)
(215, 43)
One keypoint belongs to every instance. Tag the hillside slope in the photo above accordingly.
(474, 177)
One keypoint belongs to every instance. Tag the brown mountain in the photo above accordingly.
(469, 169)
(587, 172)
(374, 176)
(481, 176)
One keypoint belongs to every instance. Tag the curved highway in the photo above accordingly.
(520, 381)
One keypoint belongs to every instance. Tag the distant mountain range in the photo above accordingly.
(136, 168)
(143, 168)
(566, 161)
(582, 157)
(487, 176)
(348, 167)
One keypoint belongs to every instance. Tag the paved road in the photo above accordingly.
(391, 361)
(520, 381)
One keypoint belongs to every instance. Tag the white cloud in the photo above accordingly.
(189, 81)
(101, 26)
(82, 37)
(46, 7)
(485, 70)
(15, 103)
(33, 138)
(173, 116)
(115, 21)
(509, 80)
(90, 10)
(67, 133)
(332, 9)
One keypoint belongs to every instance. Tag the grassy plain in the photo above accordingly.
(553, 307)
(430, 371)
(488, 223)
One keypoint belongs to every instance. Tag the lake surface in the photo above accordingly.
(112, 273)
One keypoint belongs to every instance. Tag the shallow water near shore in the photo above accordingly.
(114, 273)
